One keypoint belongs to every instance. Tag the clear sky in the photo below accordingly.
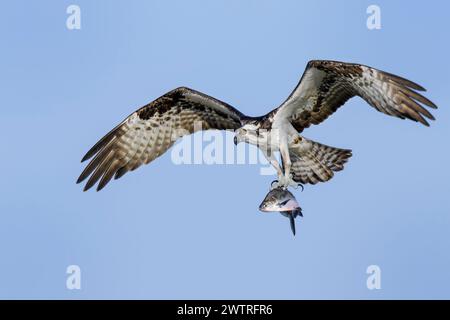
(194, 231)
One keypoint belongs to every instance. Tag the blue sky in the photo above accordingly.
(167, 231)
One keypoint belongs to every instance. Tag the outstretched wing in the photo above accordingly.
(327, 85)
(148, 132)
(314, 162)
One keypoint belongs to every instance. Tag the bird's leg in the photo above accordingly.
(274, 162)
(287, 180)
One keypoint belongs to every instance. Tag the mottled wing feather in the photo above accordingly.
(151, 130)
(313, 162)
(327, 85)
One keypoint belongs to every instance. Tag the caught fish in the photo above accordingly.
(282, 201)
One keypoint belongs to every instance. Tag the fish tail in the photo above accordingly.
(292, 222)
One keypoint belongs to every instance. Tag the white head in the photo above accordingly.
(249, 132)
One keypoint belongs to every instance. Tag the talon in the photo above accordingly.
(296, 185)
(272, 184)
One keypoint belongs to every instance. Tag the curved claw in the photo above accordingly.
(271, 184)
(276, 184)
(295, 185)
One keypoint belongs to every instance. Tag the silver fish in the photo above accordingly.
(282, 201)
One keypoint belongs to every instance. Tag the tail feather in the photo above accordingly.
(313, 162)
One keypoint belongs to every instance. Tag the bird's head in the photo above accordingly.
(247, 133)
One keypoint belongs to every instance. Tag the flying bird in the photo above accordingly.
(325, 86)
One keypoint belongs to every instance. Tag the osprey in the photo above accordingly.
(325, 86)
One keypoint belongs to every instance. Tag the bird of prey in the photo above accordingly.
(325, 86)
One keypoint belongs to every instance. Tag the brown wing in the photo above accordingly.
(314, 162)
(327, 85)
(150, 131)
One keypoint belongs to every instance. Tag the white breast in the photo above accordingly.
(265, 139)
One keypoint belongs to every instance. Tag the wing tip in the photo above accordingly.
(422, 120)
(431, 104)
(101, 185)
(425, 122)
(88, 186)
(86, 157)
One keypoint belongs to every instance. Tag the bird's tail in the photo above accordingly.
(314, 162)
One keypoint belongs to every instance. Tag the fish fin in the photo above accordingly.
(281, 204)
(292, 222)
